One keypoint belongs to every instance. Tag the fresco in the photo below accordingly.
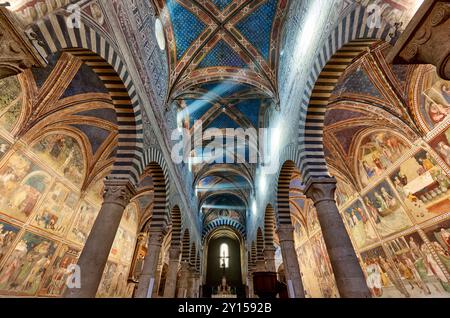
(325, 273)
(423, 186)
(55, 282)
(382, 276)
(114, 282)
(25, 267)
(64, 155)
(56, 211)
(435, 98)
(4, 147)
(386, 210)
(344, 192)
(439, 236)
(83, 223)
(8, 234)
(417, 267)
(309, 271)
(359, 224)
(10, 102)
(377, 152)
(22, 184)
(124, 242)
(441, 144)
(223, 213)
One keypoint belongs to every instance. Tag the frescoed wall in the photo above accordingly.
(51, 181)
(393, 174)
(315, 268)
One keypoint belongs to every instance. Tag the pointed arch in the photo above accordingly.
(259, 245)
(269, 226)
(176, 227)
(284, 181)
(351, 37)
(95, 51)
(185, 246)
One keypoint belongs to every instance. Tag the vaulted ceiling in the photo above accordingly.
(223, 60)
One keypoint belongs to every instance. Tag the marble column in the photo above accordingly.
(191, 283)
(295, 285)
(196, 291)
(158, 274)
(350, 278)
(172, 271)
(184, 280)
(93, 258)
(147, 280)
(269, 255)
(251, 291)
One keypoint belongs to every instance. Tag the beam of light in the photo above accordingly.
(254, 207)
(224, 207)
(224, 186)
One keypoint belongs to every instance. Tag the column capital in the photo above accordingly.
(16, 51)
(285, 232)
(118, 191)
(155, 237)
(269, 249)
(426, 39)
(174, 254)
(321, 189)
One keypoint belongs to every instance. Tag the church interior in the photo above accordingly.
(225, 149)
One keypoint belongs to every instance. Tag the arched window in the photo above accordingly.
(224, 256)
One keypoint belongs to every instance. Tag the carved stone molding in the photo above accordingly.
(16, 51)
(118, 191)
(426, 39)
(321, 189)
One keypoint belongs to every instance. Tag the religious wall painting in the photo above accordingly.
(4, 147)
(56, 212)
(309, 271)
(22, 184)
(123, 245)
(25, 267)
(441, 144)
(435, 98)
(382, 276)
(10, 102)
(8, 234)
(64, 155)
(300, 232)
(384, 207)
(344, 192)
(423, 186)
(55, 281)
(377, 152)
(114, 282)
(325, 273)
(106, 283)
(83, 223)
(417, 267)
(359, 223)
(439, 237)
(311, 218)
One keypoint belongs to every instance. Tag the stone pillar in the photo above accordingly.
(350, 279)
(196, 291)
(269, 255)
(295, 285)
(16, 50)
(171, 279)
(184, 274)
(158, 274)
(93, 258)
(191, 283)
(147, 280)
(251, 291)
(426, 39)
